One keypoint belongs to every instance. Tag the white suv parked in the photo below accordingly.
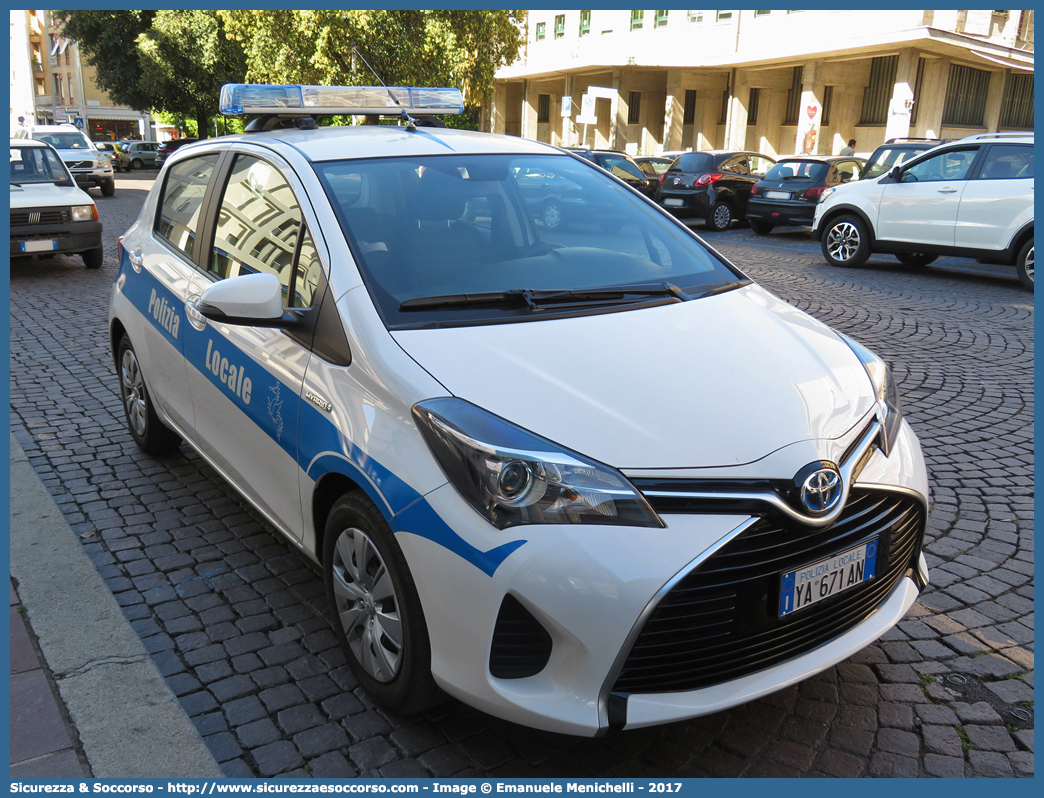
(971, 198)
(88, 165)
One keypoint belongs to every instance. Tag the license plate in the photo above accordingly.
(826, 578)
(41, 245)
(674, 203)
(777, 195)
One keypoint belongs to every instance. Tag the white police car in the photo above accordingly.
(579, 477)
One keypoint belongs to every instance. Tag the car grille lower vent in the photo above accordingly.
(721, 622)
(40, 216)
(521, 646)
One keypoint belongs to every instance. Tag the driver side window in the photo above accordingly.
(949, 165)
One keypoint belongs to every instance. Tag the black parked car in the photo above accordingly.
(167, 147)
(896, 152)
(621, 165)
(714, 184)
(789, 192)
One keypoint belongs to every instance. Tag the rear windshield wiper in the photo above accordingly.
(543, 300)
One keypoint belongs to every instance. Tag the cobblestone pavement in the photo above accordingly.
(236, 621)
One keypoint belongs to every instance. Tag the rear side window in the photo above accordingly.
(1007, 162)
(178, 221)
(258, 226)
(618, 167)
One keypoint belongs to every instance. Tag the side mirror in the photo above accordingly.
(895, 173)
(252, 300)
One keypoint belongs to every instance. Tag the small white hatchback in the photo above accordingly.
(580, 477)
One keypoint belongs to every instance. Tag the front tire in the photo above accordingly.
(1024, 264)
(846, 242)
(915, 260)
(93, 258)
(151, 434)
(137, 163)
(761, 228)
(378, 617)
(108, 188)
(719, 217)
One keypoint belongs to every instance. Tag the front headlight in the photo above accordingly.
(890, 412)
(83, 213)
(826, 193)
(512, 477)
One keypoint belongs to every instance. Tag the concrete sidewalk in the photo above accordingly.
(90, 702)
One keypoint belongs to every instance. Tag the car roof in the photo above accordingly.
(376, 141)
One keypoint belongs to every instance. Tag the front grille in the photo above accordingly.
(24, 216)
(81, 165)
(721, 621)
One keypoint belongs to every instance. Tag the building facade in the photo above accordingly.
(778, 82)
(47, 69)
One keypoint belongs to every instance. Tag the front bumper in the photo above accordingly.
(93, 177)
(70, 238)
(592, 589)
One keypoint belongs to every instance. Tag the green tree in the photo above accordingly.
(411, 47)
(167, 61)
(106, 40)
(185, 58)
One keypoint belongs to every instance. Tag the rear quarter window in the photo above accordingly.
(177, 217)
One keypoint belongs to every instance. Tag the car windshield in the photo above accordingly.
(801, 171)
(64, 141)
(36, 165)
(433, 228)
(694, 162)
(885, 158)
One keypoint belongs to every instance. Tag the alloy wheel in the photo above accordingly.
(843, 241)
(1029, 264)
(722, 217)
(366, 604)
(133, 392)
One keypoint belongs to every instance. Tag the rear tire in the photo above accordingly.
(915, 260)
(553, 216)
(846, 242)
(93, 258)
(1024, 264)
(719, 217)
(761, 228)
(151, 434)
(378, 618)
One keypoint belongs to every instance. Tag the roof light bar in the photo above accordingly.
(255, 98)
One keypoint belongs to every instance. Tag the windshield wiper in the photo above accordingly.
(545, 300)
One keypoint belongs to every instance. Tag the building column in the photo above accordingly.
(614, 112)
(810, 110)
(530, 98)
(932, 97)
(901, 105)
(736, 121)
(995, 100)
(674, 111)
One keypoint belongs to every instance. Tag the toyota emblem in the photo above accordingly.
(821, 490)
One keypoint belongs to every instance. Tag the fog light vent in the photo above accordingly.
(521, 646)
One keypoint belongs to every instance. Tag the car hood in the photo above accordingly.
(715, 382)
(36, 195)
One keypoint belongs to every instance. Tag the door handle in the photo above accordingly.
(136, 259)
(947, 191)
(195, 318)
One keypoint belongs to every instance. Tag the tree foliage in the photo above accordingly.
(167, 61)
(406, 47)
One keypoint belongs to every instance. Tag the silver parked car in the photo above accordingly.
(142, 153)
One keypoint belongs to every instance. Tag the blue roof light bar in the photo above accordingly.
(256, 98)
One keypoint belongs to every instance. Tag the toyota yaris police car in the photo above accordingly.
(577, 478)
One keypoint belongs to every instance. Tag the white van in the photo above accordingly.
(88, 165)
